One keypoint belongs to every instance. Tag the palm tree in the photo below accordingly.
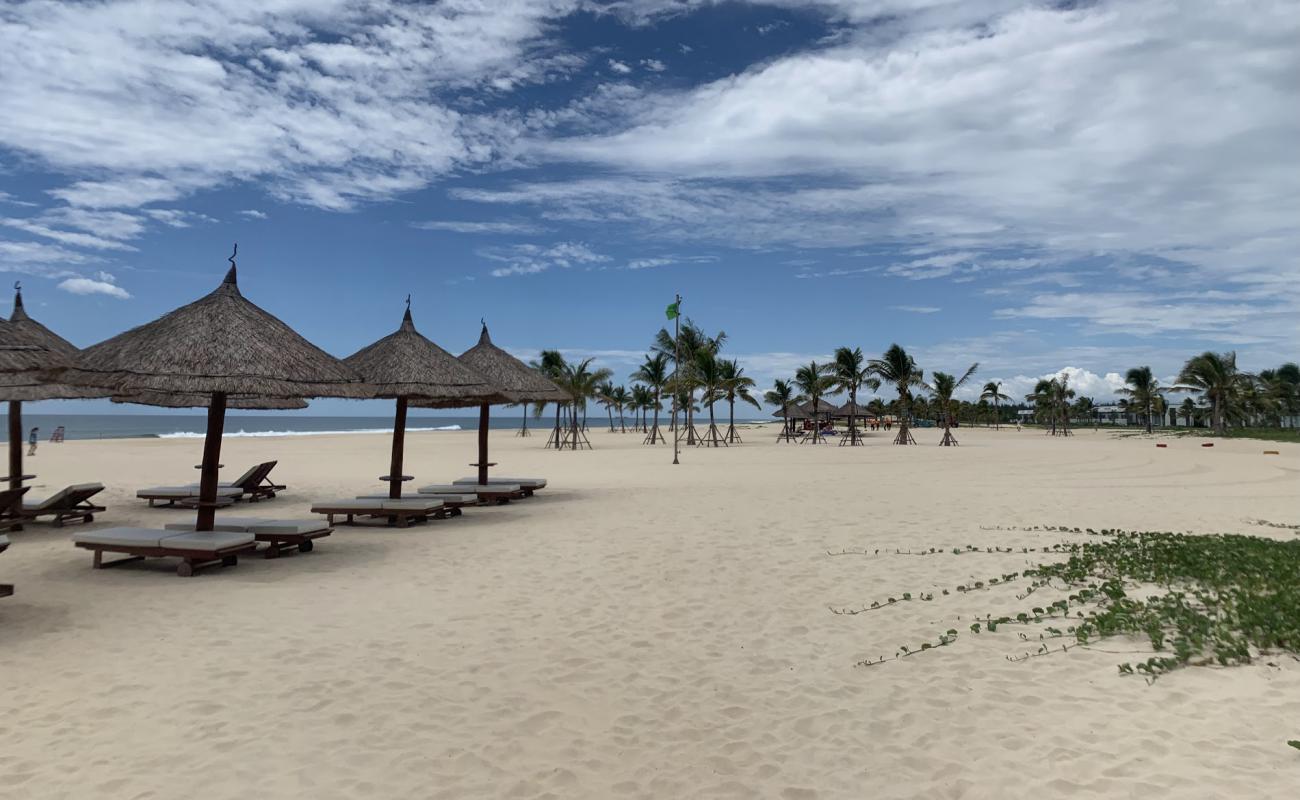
(815, 380)
(1142, 389)
(580, 382)
(851, 373)
(654, 373)
(552, 364)
(619, 397)
(735, 386)
(782, 395)
(1085, 408)
(605, 396)
(642, 398)
(899, 369)
(1216, 377)
(691, 341)
(993, 391)
(1280, 391)
(943, 386)
(1187, 410)
(709, 377)
(1051, 398)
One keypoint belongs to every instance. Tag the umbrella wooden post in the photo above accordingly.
(483, 412)
(207, 517)
(399, 448)
(15, 444)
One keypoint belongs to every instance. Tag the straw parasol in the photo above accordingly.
(851, 409)
(219, 346)
(235, 401)
(406, 366)
(822, 408)
(514, 380)
(32, 359)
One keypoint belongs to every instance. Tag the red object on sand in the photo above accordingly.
(1162, 445)
(1207, 444)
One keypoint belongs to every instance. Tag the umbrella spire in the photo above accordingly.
(407, 323)
(231, 277)
(19, 313)
(483, 337)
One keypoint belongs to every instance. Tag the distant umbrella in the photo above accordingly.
(406, 366)
(218, 347)
(513, 379)
(33, 364)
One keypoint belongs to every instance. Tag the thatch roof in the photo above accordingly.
(34, 360)
(513, 379)
(823, 407)
(220, 343)
(35, 331)
(855, 410)
(203, 400)
(406, 364)
(791, 410)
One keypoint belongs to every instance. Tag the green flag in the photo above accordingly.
(672, 310)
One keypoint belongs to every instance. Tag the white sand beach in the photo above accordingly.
(636, 630)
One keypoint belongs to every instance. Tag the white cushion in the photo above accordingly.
(4, 540)
(238, 524)
(282, 527)
(185, 492)
(121, 537)
(465, 488)
(528, 483)
(413, 504)
(350, 505)
(205, 542)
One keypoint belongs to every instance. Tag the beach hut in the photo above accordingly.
(514, 380)
(854, 413)
(32, 358)
(405, 366)
(218, 350)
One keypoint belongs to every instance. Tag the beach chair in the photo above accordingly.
(72, 502)
(255, 483)
(6, 589)
(453, 503)
(279, 535)
(529, 485)
(400, 513)
(186, 495)
(11, 508)
(498, 494)
(195, 550)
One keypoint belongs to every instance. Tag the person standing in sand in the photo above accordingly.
(31, 441)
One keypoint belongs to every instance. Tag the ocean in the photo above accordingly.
(180, 426)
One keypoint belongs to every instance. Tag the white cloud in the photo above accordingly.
(465, 226)
(86, 286)
(253, 213)
(654, 64)
(619, 67)
(918, 309)
(530, 259)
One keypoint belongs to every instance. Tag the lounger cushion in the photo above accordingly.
(121, 537)
(238, 524)
(206, 542)
(465, 488)
(184, 492)
(4, 540)
(527, 483)
(33, 504)
(286, 527)
(323, 506)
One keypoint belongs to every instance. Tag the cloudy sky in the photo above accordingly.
(1031, 185)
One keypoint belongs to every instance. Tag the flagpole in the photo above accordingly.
(677, 361)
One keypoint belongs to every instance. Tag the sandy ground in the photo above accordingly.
(634, 631)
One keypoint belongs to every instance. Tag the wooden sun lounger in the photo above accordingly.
(492, 493)
(196, 550)
(186, 495)
(529, 485)
(70, 503)
(279, 535)
(10, 508)
(397, 512)
(255, 483)
(6, 589)
(452, 502)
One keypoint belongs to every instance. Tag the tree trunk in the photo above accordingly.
(399, 447)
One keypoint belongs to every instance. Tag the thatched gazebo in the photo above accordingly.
(217, 348)
(405, 366)
(31, 359)
(514, 380)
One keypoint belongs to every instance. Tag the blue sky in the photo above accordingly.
(1036, 186)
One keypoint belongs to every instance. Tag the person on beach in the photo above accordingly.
(31, 440)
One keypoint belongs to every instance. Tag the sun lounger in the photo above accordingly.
(529, 485)
(256, 483)
(196, 550)
(6, 589)
(492, 493)
(280, 535)
(70, 503)
(11, 508)
(398, 512)
(452, 502)
(186, 495)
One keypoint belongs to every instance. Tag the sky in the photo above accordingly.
(1036, 186)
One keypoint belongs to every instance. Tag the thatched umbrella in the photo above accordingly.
(406, 366)
(235, 401)
(513, 379)
(33, 356)
(219, 346)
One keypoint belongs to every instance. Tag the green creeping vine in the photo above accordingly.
(1206, 599)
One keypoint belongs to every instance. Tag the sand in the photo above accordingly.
(634, 631)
